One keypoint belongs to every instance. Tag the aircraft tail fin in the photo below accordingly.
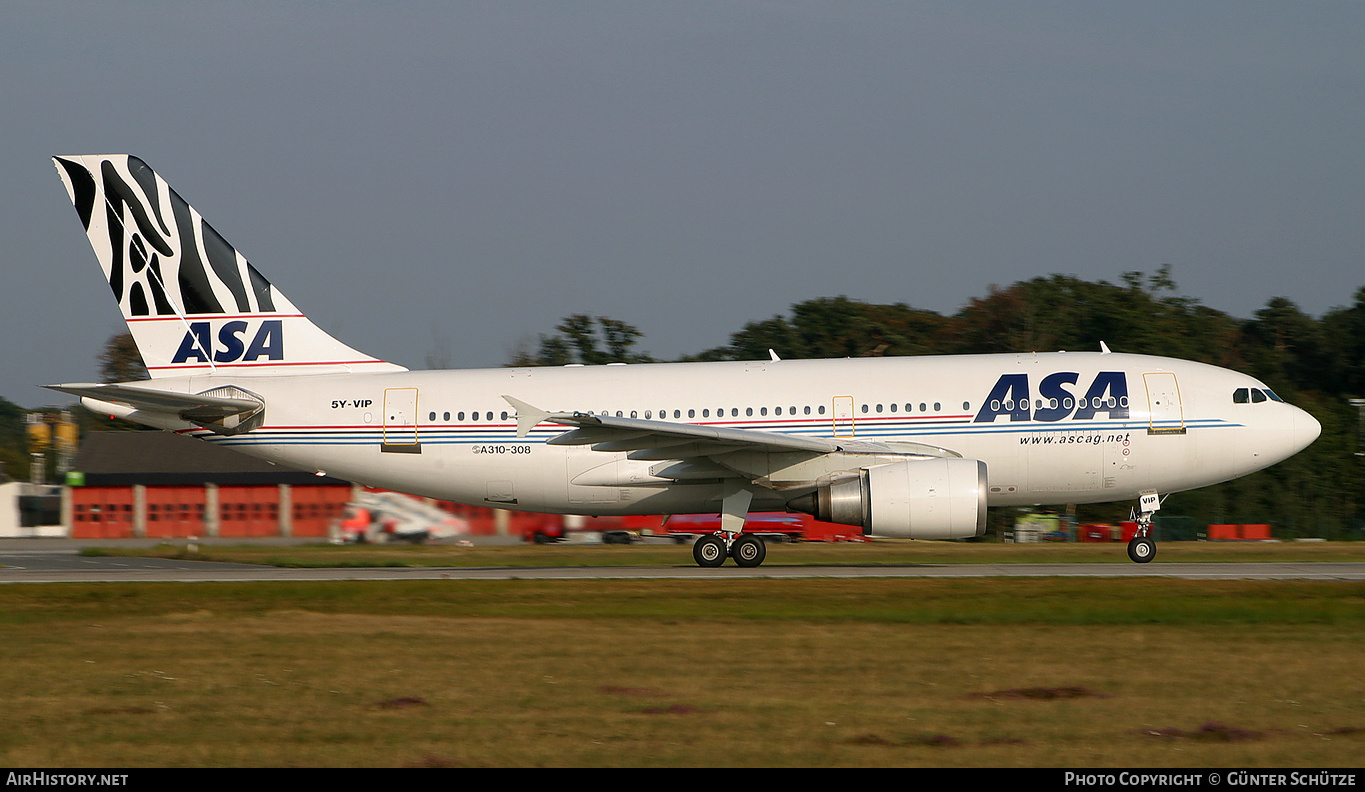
(192, 302)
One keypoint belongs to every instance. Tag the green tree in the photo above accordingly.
(585, 339)
(13, 440)
(120, 360)
(1343, 337)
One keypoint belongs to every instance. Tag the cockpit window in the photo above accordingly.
(1254, 396)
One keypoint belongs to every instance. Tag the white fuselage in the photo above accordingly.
(1052, 428)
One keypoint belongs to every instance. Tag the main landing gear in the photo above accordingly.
(1142, 548)
(729, 542)
(712, 550)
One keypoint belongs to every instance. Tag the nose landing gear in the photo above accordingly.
(1142, 548)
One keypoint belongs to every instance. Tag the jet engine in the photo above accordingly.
(914, 499)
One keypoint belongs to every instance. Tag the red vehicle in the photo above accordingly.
(775, 526)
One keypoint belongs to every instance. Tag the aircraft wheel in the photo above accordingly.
(709, 551)
(749, 551)
(1141, 549)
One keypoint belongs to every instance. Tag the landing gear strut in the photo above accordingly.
(1142, 548)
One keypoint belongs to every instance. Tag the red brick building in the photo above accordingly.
(164, 485)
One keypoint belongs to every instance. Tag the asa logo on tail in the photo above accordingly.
(230, 345)
(1107, 394)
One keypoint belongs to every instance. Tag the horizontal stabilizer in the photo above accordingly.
(215, 410)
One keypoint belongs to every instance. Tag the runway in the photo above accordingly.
(67, 566)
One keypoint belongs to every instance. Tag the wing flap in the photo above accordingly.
(778, 459)
(594, 430)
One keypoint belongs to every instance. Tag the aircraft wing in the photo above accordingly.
(223, 410)
(723, 448)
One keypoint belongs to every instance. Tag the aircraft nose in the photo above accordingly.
(1306, 429)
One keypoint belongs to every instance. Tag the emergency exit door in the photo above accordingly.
(400, 422)
(843, 416)
(1166, 414)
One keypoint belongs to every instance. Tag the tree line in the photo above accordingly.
(1315, 363)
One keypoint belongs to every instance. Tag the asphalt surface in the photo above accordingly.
(53, 561)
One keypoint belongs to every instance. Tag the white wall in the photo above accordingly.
(9, 516)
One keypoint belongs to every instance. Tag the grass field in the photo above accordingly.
(879, 672)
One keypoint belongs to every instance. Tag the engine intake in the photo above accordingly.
(914, 499)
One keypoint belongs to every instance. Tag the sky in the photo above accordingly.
(450, 179)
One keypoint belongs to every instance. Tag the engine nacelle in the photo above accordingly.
(915, 499)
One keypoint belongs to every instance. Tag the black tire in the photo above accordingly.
(709, 551)
(748, 551)
(1141, 549)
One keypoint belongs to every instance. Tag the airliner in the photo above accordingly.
(906, 447)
